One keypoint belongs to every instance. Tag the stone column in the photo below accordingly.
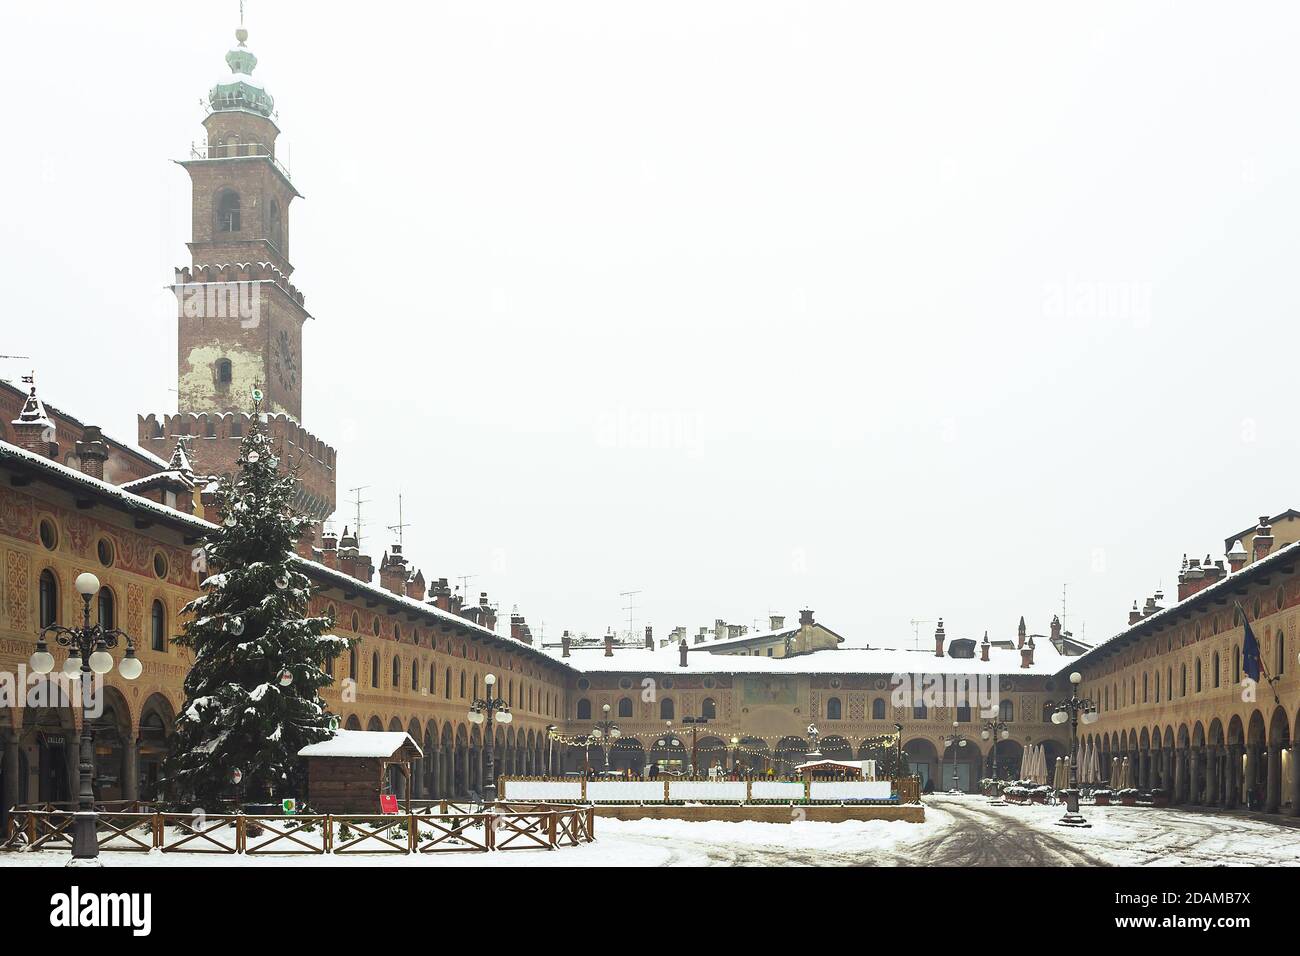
(1211, 775)
(1273, 784)
(466, 781)
(9, 795)
(1232, 799)
(1180, 775)
(1194, 789)
(417, 778)
(131, 769)
(1144, 770)
(1295, 780)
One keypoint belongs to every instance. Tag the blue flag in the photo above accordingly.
(1250, 653)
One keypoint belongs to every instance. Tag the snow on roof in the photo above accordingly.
(132, 502)
(746, 638)
(361, 743)
(840, 660)
(1221, 588)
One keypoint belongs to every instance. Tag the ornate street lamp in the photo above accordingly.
(813, 735)
(606, 732)
(1072, 710)
(87, 654)
(550, 744)
(953, 741)
(490, 709)
(694, 723)
(667, 740)
(995, 730)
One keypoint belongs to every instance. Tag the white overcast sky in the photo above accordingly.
(744, 305)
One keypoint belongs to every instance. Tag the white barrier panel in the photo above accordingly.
(776, 790)
(544, 790)
(852, 789)
(730, 790)
(649, 791)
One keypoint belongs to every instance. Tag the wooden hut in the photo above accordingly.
(348, 772)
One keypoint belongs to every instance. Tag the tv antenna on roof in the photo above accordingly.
(357, 504)
(916, 631)
(400, 523)
(631, 609)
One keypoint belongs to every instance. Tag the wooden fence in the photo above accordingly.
(433, 827)
(615, 790)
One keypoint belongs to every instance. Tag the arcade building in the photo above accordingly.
(73, 498)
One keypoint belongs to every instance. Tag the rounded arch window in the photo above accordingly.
(158, 626)
(709, 709)
(49, 598)
(228, 211)
(584, 709)
(375, 626)
(276, 225)
(356, 622)
(225, 371)
(107, 609)
(625, 707)
(834, 709)
(878, 709)
(374, 669)
(666, 710)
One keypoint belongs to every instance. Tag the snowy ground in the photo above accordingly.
(959, 831)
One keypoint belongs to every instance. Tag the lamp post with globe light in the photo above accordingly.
(606, 732)
(995, 730)
(490, 710)
(953, 741)
(87, 655)
(1074, 709)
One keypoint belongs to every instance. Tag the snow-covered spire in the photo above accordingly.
(180, 462)
(33, 412)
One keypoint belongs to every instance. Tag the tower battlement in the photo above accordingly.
(213, 448)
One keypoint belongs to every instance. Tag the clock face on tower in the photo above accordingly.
(284, 363)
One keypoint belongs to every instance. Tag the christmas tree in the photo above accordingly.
(252, 694)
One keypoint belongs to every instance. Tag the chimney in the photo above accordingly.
(1027, 654)
(776, 622)
(1056, 628)
(609, 644)
(33, 430)
(649, 638)
(347, 554)
(1020, 633)
(1237, 557)
(699, 638)
(939, 639)
(984, 648)
(1134, 615)
(719, 629)
(440, 595)
(93, 452)
(683, 651)
(415, 586)
(564, 645)
(392, 571)
(1263, 538)
(805, 617)
(1149, 607)
(516, 625)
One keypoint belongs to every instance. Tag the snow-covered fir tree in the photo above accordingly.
(252, 694)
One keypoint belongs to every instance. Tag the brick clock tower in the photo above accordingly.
(239, 318)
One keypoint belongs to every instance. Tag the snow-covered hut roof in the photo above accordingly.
(361, 743)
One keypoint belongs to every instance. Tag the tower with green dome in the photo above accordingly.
(240, 317)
